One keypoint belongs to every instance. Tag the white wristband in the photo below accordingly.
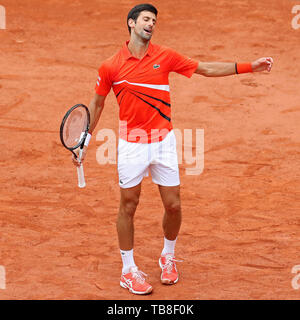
(87, 139)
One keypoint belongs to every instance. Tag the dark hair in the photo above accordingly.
(135, 12)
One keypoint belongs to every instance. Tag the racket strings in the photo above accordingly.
(74, 127)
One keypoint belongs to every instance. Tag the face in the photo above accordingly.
(144, 25)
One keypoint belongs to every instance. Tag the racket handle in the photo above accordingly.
(80, 173)
(81, 180)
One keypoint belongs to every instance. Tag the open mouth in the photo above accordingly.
(147, 31)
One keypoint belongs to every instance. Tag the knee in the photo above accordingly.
(173, 208)
(128, 206)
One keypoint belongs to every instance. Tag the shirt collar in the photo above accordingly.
(127, 54)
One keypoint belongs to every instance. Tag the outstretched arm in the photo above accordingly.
(222, 69)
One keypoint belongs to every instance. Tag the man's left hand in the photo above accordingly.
(262, 64)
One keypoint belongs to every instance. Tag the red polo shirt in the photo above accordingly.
(142, 90)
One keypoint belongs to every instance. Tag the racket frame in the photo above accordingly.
(80, 173)
(81, 142)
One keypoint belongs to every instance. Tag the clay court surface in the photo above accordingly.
(241, 217)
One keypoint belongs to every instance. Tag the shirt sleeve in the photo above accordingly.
(104, 83)
(182, 64)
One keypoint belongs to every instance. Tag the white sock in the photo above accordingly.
(169, 246)
(127, 259)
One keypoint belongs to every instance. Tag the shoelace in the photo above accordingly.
(169, 263)
(138, 275)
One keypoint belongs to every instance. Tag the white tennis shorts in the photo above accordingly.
(135, 160)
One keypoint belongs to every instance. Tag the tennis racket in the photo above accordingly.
(73, 131)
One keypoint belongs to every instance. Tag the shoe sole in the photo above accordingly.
(166, 281)
(123, 285)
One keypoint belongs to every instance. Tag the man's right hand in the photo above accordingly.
(76, 161)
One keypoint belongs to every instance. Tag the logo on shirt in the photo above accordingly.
(98, 81)
(156, 66)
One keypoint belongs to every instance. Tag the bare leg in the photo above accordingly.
(172, 217)
(125, 222)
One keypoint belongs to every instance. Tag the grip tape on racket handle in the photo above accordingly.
(80, 173)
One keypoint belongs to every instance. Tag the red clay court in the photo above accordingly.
(241, 217)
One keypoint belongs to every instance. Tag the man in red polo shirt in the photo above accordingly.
(138, 74)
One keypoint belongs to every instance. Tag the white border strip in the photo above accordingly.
(162, 87)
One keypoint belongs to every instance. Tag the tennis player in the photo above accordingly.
(138, 74)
